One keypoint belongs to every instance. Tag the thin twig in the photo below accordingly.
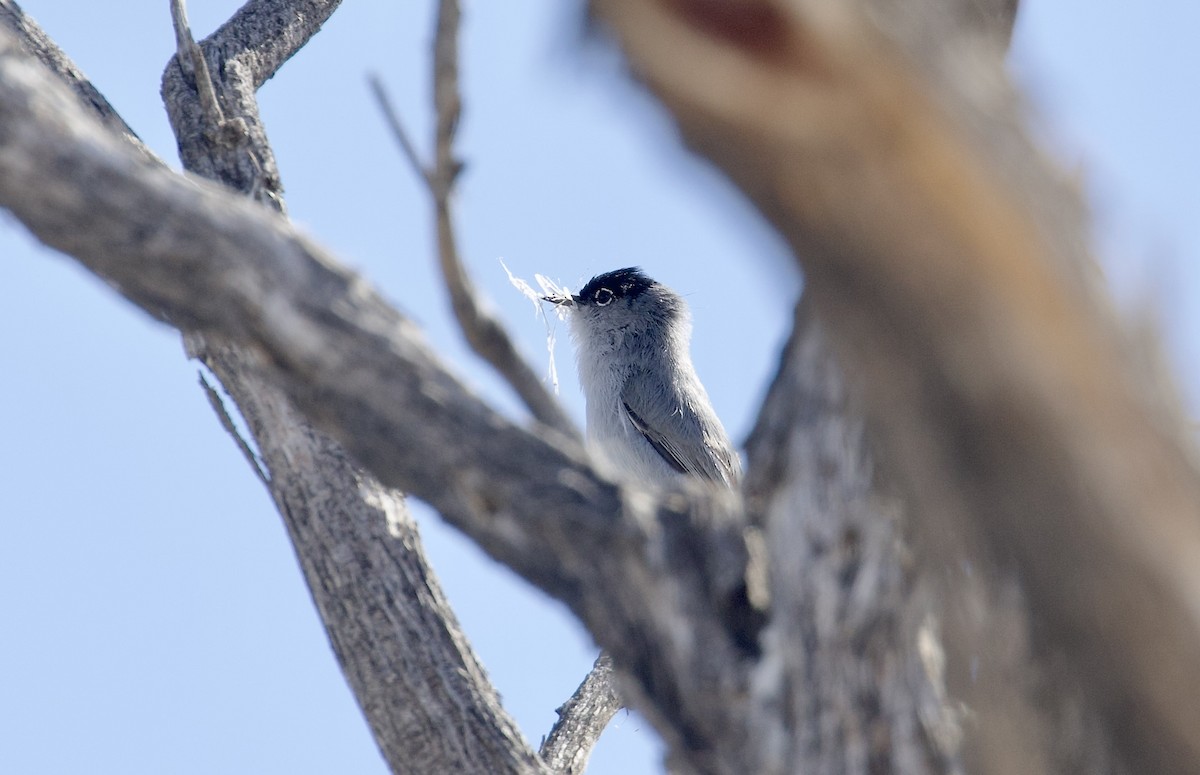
(583, 717)
(447, 98)
(229, 129)
(486, 335)
(398, 131)
(192, 61)
(581, 720)
(218, 406)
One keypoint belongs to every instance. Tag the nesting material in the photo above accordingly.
(550, 291)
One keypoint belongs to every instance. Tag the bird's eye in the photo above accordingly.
(603, 297)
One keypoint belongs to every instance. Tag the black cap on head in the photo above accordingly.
(602, 289)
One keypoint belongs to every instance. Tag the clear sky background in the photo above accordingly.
(154, 618)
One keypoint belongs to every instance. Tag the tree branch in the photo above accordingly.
(220, 263)
(218, 407)
(421, 688)
(392, 116)
(483, 331)
(192, 62)
(263, 34)
(848, 608)
(913, 663)
(246, 51)
(949, 265)
(583, 718)
(581, 721)
(34, 41)
(365, 569)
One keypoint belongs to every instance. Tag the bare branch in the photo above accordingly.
(191, 60)
(949, 266)
(571, 740)
(222, 263)
(34, 40)
(263, 34)
(398, 131)
(483, 331)
(447, 100)
(218, 407)
(581, 720)
(427, 699)
(242, 54)
(429, 704)
(421, 689)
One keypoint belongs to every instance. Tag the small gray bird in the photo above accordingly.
(648, 416)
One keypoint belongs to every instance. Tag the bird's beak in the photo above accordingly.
(562, 301)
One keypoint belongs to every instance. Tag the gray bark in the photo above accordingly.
(413, 673)
(948, 264)
(850, 611)
(581, 720)
(651, 585)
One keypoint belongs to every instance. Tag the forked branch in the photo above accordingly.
(482, 329)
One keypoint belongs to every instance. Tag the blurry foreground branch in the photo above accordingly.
(945, 262)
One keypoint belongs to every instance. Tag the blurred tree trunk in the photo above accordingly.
(1050, 498)
(968, 531)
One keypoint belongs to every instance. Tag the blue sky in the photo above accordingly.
(156, 621)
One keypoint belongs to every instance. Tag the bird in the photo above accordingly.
(649, 418)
